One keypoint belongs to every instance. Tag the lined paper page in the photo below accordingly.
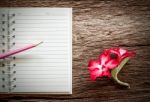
(46, 68)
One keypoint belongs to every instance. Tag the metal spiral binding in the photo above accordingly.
(10, 73)
(3, 63)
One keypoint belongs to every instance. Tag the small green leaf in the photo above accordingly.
(115, 71)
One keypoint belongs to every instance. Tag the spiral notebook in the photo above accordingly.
(46, 68)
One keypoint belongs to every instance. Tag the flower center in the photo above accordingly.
(113, 56)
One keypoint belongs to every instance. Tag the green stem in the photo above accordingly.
(116, 70)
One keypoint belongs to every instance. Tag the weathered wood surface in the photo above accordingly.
(100, 24)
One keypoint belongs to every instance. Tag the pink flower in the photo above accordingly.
(109, 60)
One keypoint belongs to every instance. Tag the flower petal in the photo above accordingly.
(105, 72)
(104, 59)
(115, 51)
(128, 54)
(122, 51)
(112, 64)
(93, 64)
(95, 73)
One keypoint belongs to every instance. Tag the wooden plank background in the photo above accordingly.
(100, 24)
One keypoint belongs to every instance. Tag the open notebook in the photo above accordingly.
(46, 68)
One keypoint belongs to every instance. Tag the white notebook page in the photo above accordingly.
(48, 67)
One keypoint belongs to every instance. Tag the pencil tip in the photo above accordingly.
(40, 43)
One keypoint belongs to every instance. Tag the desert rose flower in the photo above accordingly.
(108, 60)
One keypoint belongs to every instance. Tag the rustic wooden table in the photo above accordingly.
(100, 24)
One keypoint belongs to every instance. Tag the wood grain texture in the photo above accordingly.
(100, 24)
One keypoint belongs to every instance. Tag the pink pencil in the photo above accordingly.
(7, 54)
